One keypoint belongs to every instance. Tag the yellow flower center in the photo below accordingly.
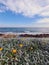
(14, 51)
(1, 49)
(21, 45)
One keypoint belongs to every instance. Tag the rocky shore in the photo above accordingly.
(24, 35)
(34, 35)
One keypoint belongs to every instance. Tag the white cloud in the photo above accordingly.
(27, 7)
(44, 20)
(45, 11)
(41, 23)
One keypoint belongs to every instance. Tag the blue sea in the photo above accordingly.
(34, 30)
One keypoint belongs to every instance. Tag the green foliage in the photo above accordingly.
(30, 54)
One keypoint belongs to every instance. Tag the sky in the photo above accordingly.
(24, 13)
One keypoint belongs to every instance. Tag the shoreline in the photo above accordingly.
(16, 35)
